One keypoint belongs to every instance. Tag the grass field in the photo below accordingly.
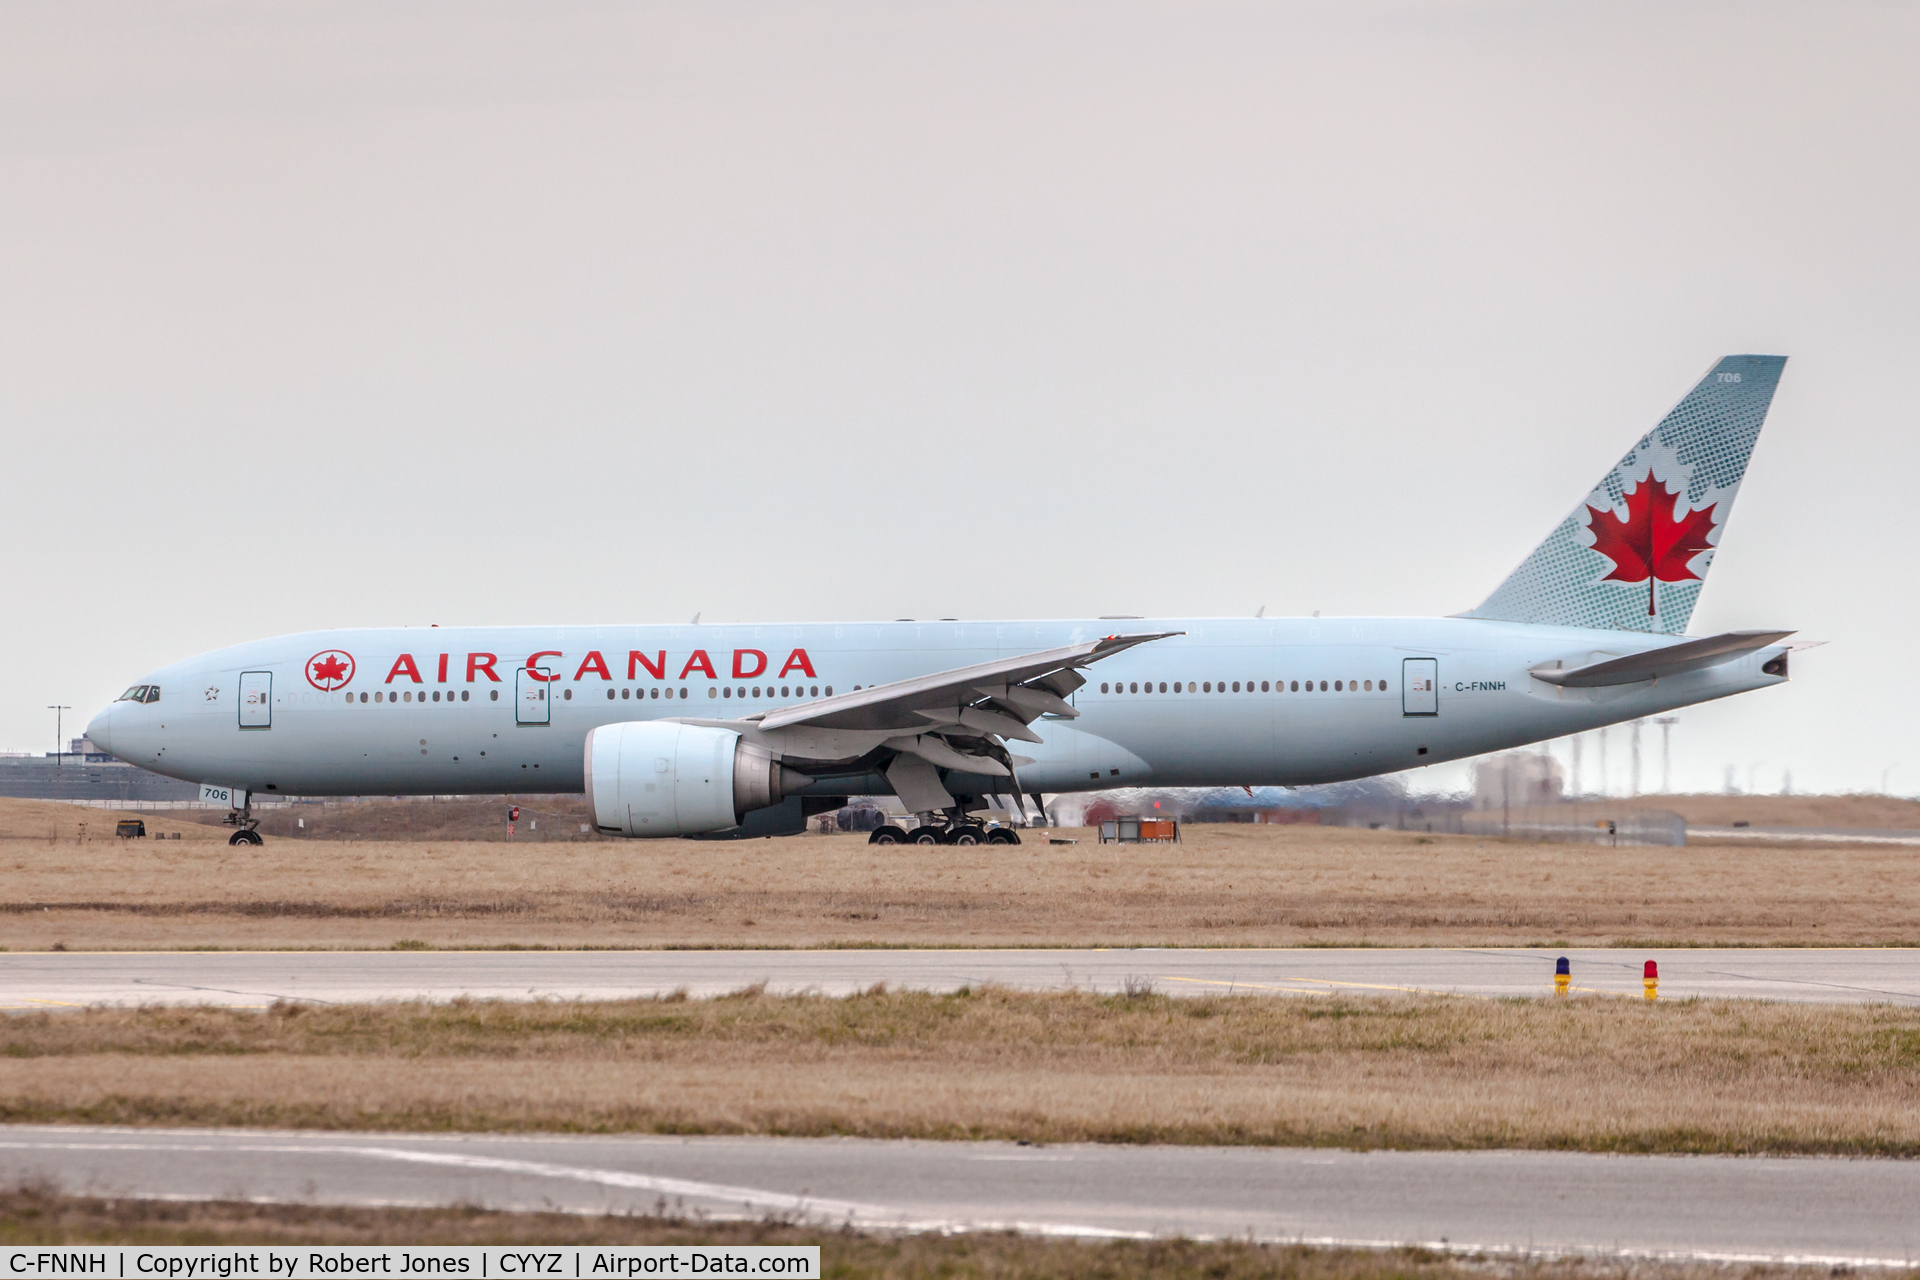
(1415, 1072)
(1225, 886)
(32, 1215)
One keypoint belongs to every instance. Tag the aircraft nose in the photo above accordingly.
(100, 730)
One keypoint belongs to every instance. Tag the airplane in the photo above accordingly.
(747, 730)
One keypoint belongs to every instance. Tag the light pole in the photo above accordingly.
(1666, 724)
(1635, 739)
(59, 743)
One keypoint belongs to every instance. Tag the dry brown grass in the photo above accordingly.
(1877, 813)
(40, 1216)
(1225, 886)
(1413, 1072)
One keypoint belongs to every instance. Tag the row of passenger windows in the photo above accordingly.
(1275, 686)
(785, 691)
(408, 696)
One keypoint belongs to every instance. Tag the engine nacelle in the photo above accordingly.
(658, 778)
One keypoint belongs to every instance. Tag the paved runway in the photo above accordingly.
(51, 980)
(1816, 1210)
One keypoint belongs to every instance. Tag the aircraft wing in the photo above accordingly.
(1006, 694)
(957, 720)
(1670, 660)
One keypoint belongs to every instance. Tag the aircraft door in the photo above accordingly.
(530, 704)
(1420, 686)
(256, 699)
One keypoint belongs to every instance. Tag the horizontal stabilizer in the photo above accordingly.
(1689, 655)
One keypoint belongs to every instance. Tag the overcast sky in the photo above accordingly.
(321, 315)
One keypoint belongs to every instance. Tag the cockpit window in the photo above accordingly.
(141, 693)
(153, 693)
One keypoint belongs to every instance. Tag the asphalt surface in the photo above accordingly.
(1858, 1212)
(1817, 835)
(52, 980)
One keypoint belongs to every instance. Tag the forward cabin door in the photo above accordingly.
(256, 699)
(1420, 686)
(530, 703)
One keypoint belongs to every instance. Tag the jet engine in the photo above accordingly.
(658, 778)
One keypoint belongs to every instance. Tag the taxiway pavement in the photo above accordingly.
(52, 980)
(1824, 1211)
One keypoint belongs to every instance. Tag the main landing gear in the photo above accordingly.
(962, 832)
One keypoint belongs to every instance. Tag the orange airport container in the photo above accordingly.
(1157, 829)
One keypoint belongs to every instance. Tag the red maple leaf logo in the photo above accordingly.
(1655, 540)
(329, 670)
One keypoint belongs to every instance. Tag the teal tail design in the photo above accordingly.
(1634, 555)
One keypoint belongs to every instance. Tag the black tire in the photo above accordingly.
(888, 834)
(924, 835)
(245, 837)
(968, 834)
(1002, 835)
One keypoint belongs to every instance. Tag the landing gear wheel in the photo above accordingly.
(924, 835)
(888, 834)
(967, 834)
(1003, 835)
(246, 837)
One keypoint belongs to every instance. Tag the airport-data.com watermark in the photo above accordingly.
(395, 1262)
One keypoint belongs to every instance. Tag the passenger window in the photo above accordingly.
(726, 693)
(493, 695)
(1323, 686)
(784, 693)
(683, 692)
(1369, 686)
(1383, 686)
(464, 695)
(1133, 688)
(1103, 686)
(816, 691)
(568, 695)
(829, 691)
(1207, 687)
(1263, 686)
(1176, 686)
(756, 691)
(1336, 686)
(1163, 686)
(349, 698)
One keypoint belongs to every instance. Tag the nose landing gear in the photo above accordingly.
(247, 824)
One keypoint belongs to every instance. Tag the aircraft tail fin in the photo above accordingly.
(1635, 553)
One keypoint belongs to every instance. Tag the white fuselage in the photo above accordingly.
(423, 711)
